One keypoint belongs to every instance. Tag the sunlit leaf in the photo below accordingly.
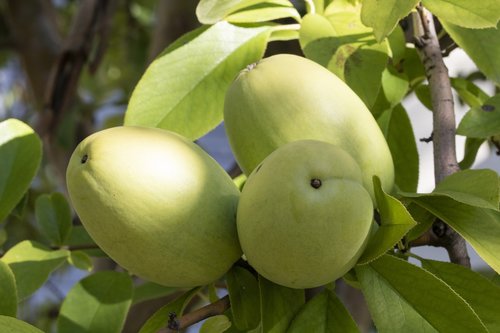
(482, 46)
(472, 187)
(395, 223)
(31, 263)
(20, 153)
(348, 49)
(80, 260)
(324, 313)
(215, 324)
(384, 15)
(262, 13)
(183, 90)
(98, 303)
(213, 11)
(466, 13)
(482, 121)
(481, 294)
(471, 94)
(405, 298)
(13, 325)
(479, 226)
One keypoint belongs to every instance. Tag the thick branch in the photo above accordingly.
(445, 159)
(210, 310)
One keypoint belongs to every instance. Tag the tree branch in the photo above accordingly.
(445, 159)
(210, 310)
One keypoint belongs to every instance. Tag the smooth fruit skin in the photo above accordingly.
(157, 204)
(296, 233)
(286, 98)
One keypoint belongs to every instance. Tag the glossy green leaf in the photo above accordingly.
(53, 214)
(466, 13)
(98, 303)
(3, 236)
(324, 313)
(263, 13)
(397, 44)
(215, 324)
(31, 263)
(423, 93)
(405, 298)
(160, 318)
(278, 34)
(384, 15)
(243, 290)
(401, 141)
(496, 279)
(423, 218)
(80, 238)
(482, 121)
(278, 305)
(481, 294)
(80, 260)
(20, 153)
(479, 226)
(213, 11)
(150, 290)
(13, 325)
(395, 223)
(473, 187)
(482, 46)
(314, 27)
(22, 206)
(394, 85)
(413, 67)
(348, 49)
(477, 188)
(183, 90)
(471, 148)
(471, 94)
(8, 291)
(358, 60)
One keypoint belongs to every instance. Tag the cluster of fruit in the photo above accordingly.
(162, 208)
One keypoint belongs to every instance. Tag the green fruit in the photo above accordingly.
(304, 216)
(157, 204)
(286, 98)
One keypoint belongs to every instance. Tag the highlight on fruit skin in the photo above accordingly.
(284, 98)
(304, 217)
(157, 204)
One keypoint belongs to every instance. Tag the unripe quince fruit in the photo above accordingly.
(304, 216)
(286, 98)
(157, 204)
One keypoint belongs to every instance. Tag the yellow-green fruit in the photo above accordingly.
(285, 98)
(157, 204)
(304, 216)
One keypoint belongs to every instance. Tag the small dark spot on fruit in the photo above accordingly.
(84, 158)
(316, 183)
(488, 108)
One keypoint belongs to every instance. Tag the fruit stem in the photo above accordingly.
(191, 318)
